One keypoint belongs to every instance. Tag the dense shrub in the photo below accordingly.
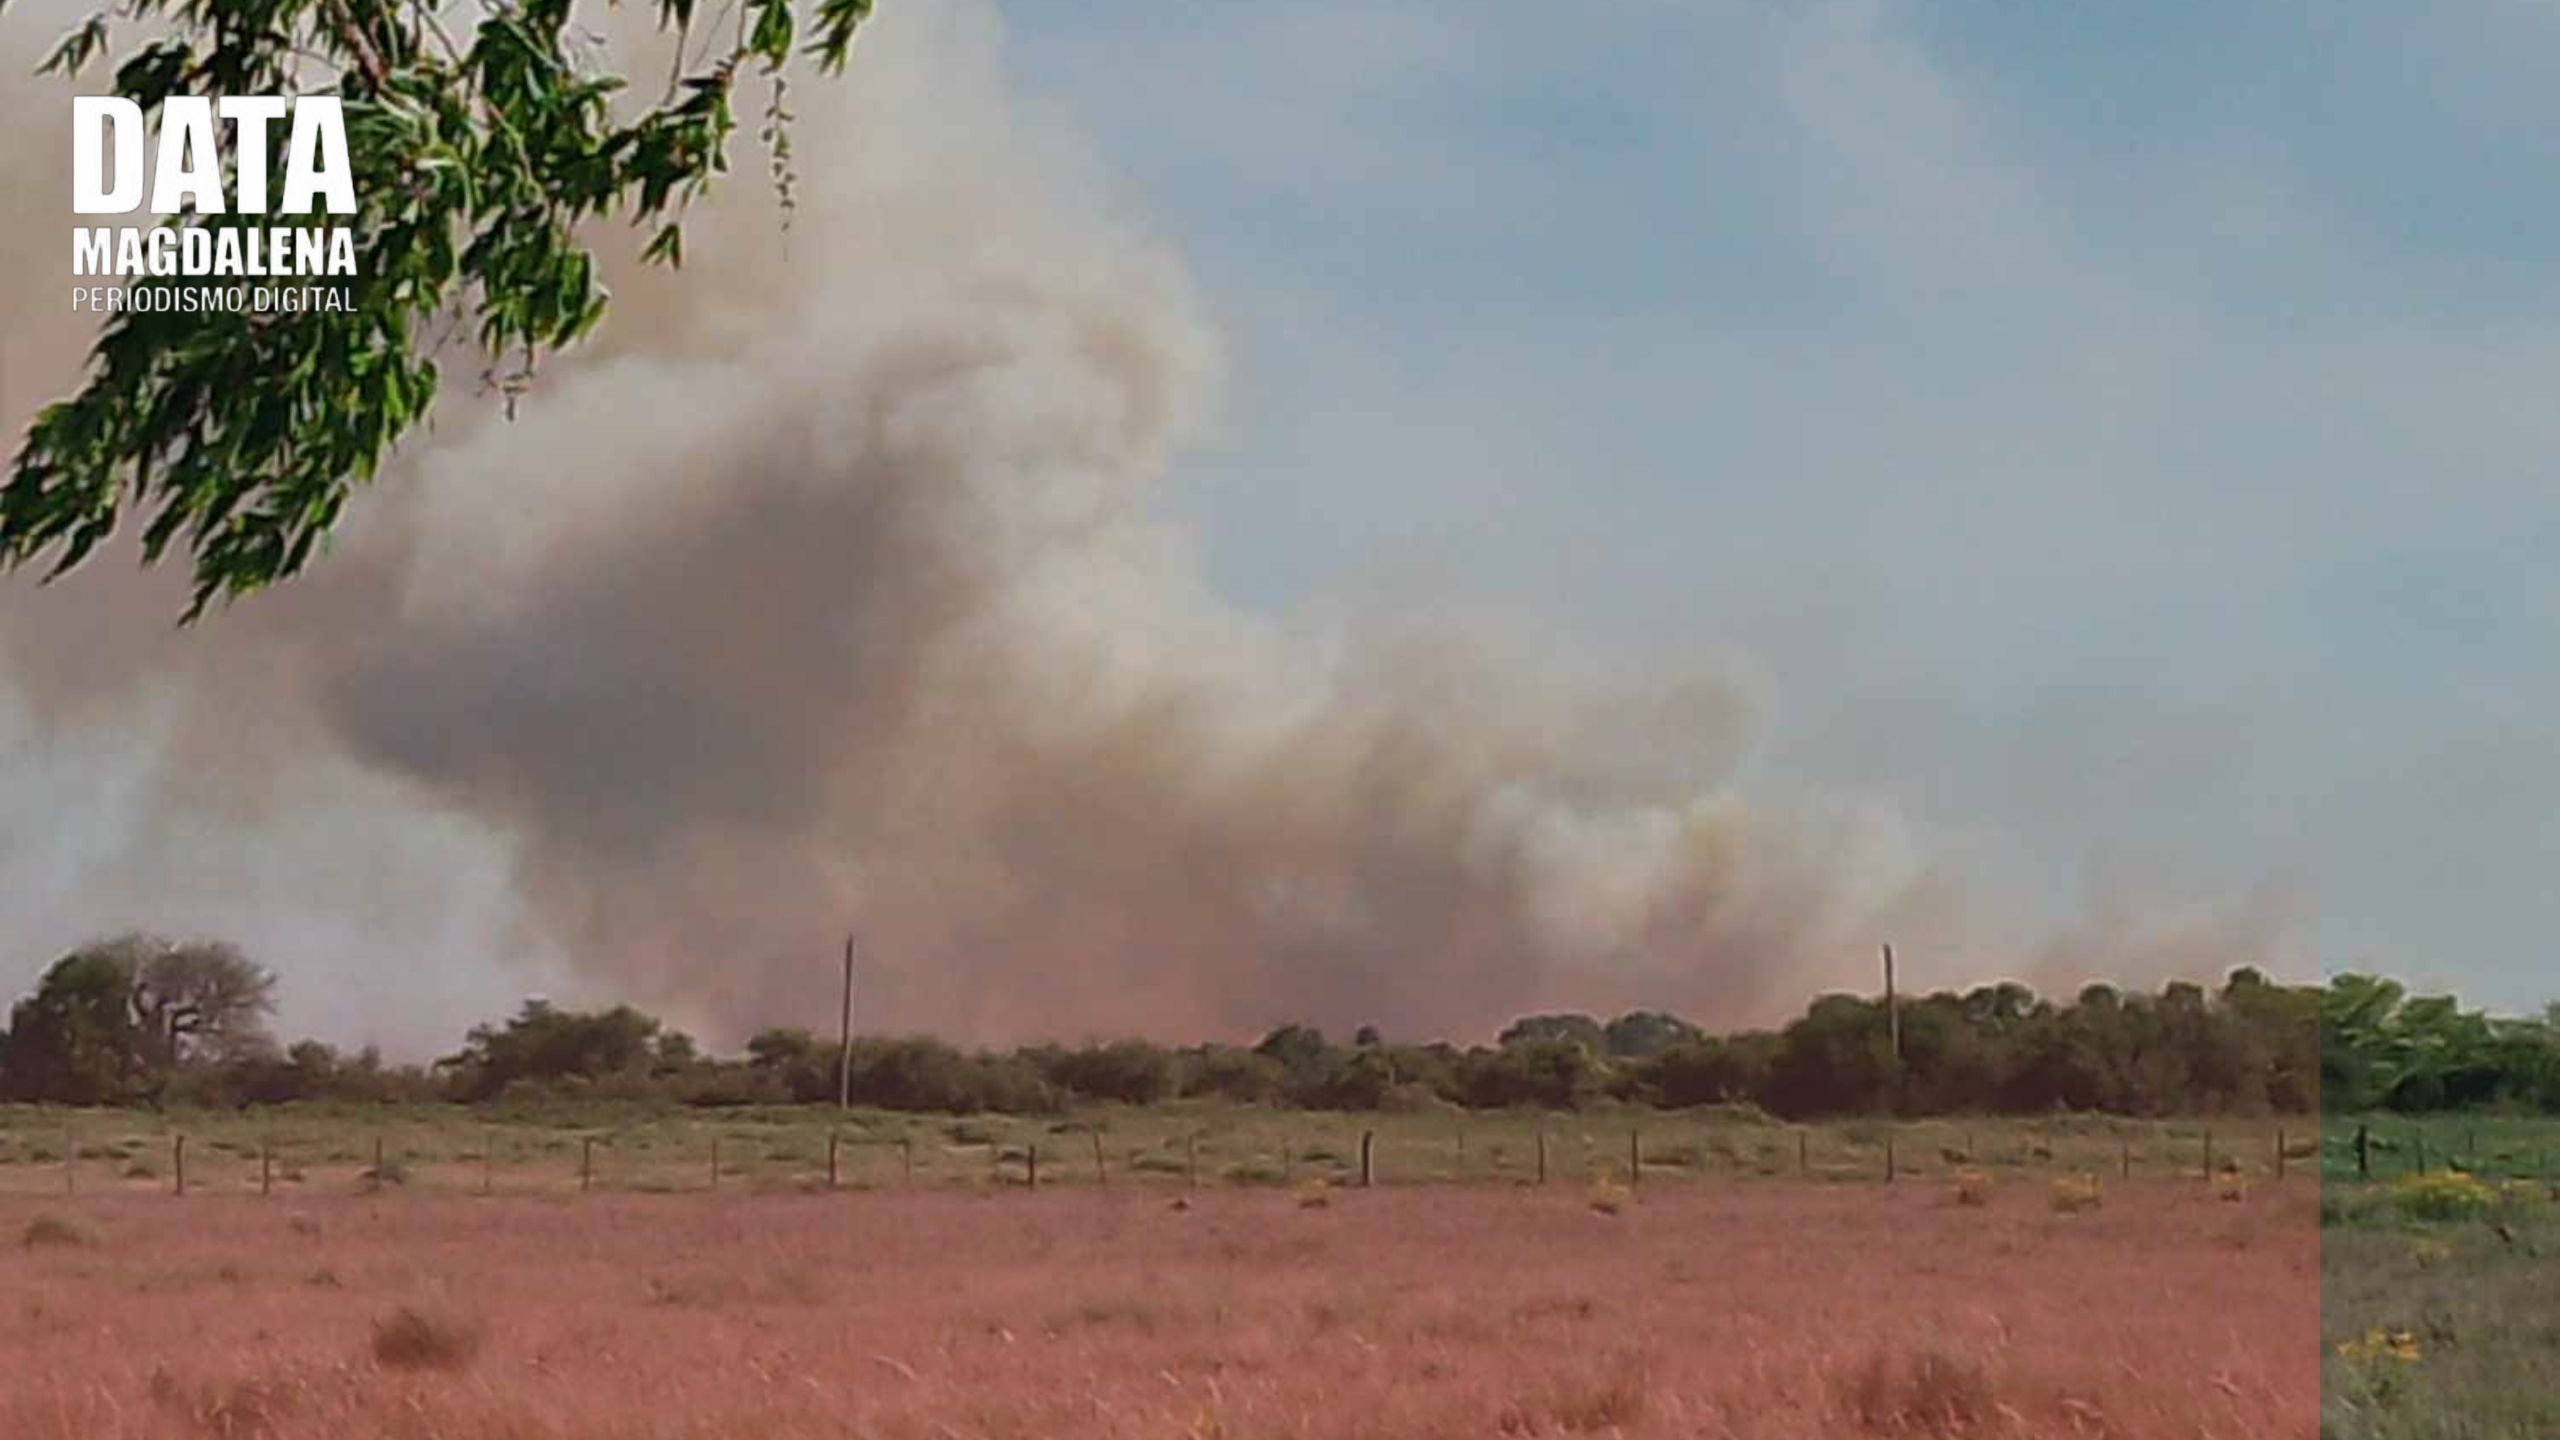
(1226, 1073)
(1131, 1072)
(415, 1338)
(2254, 1046)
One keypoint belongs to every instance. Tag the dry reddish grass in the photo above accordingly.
(1763, 1311)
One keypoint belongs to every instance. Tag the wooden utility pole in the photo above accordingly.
(844, 1055)
(1893, 1035)
(1892, 1013)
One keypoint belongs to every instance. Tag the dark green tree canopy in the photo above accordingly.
(141, 1019)
(114, 1020)
(479, 160)
(1580, 1030)
(2383, 1049)
(544, 1042)
(72, 1041)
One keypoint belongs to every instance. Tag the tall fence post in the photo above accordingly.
(1542, 1154)
(2364, 1151)
(1102, 1172)
(1635, 1154)
(586, 1163)
(907, 1158)
(178, 1161)
(1368, 1171)
(1888, 1157)
(2279, 1152)
(1031, 1164)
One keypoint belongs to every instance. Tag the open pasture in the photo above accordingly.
(2493, 1146)
(322, 1150)
(1448, 1313)
(2437, 1315)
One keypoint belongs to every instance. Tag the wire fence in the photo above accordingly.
(2384, 1148)
(96, 1154)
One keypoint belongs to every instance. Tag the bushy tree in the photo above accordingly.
(1557, 1072)
(922, 1073)
(1227, 1073)
(2381, 1048)
(802, 1068)
(74, 1041)
(1710, 1070)
(1642, 1034)
(121, 1018)
(203, 1000)
(1295, 1047)
(1131, 1072)
(1837, 1059)
(545, 1044)
(1579, 1030)
(1356, 1079)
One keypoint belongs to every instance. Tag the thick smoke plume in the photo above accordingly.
(832, 590)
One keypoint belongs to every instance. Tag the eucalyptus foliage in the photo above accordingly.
(482, 143)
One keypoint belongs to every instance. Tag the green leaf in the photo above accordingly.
(666, 247)
(239, 440)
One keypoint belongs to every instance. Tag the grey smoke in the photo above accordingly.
(833, 588)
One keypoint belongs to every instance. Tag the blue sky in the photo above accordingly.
(2119, 434)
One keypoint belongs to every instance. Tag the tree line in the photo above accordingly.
(139, 1020)
(2384, 1049)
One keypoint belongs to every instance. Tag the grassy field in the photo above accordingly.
(2436, 1294)
(324, 1150)
(2498, 1146)
(1777, 1309)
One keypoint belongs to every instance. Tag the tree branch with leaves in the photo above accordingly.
(236, 438)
